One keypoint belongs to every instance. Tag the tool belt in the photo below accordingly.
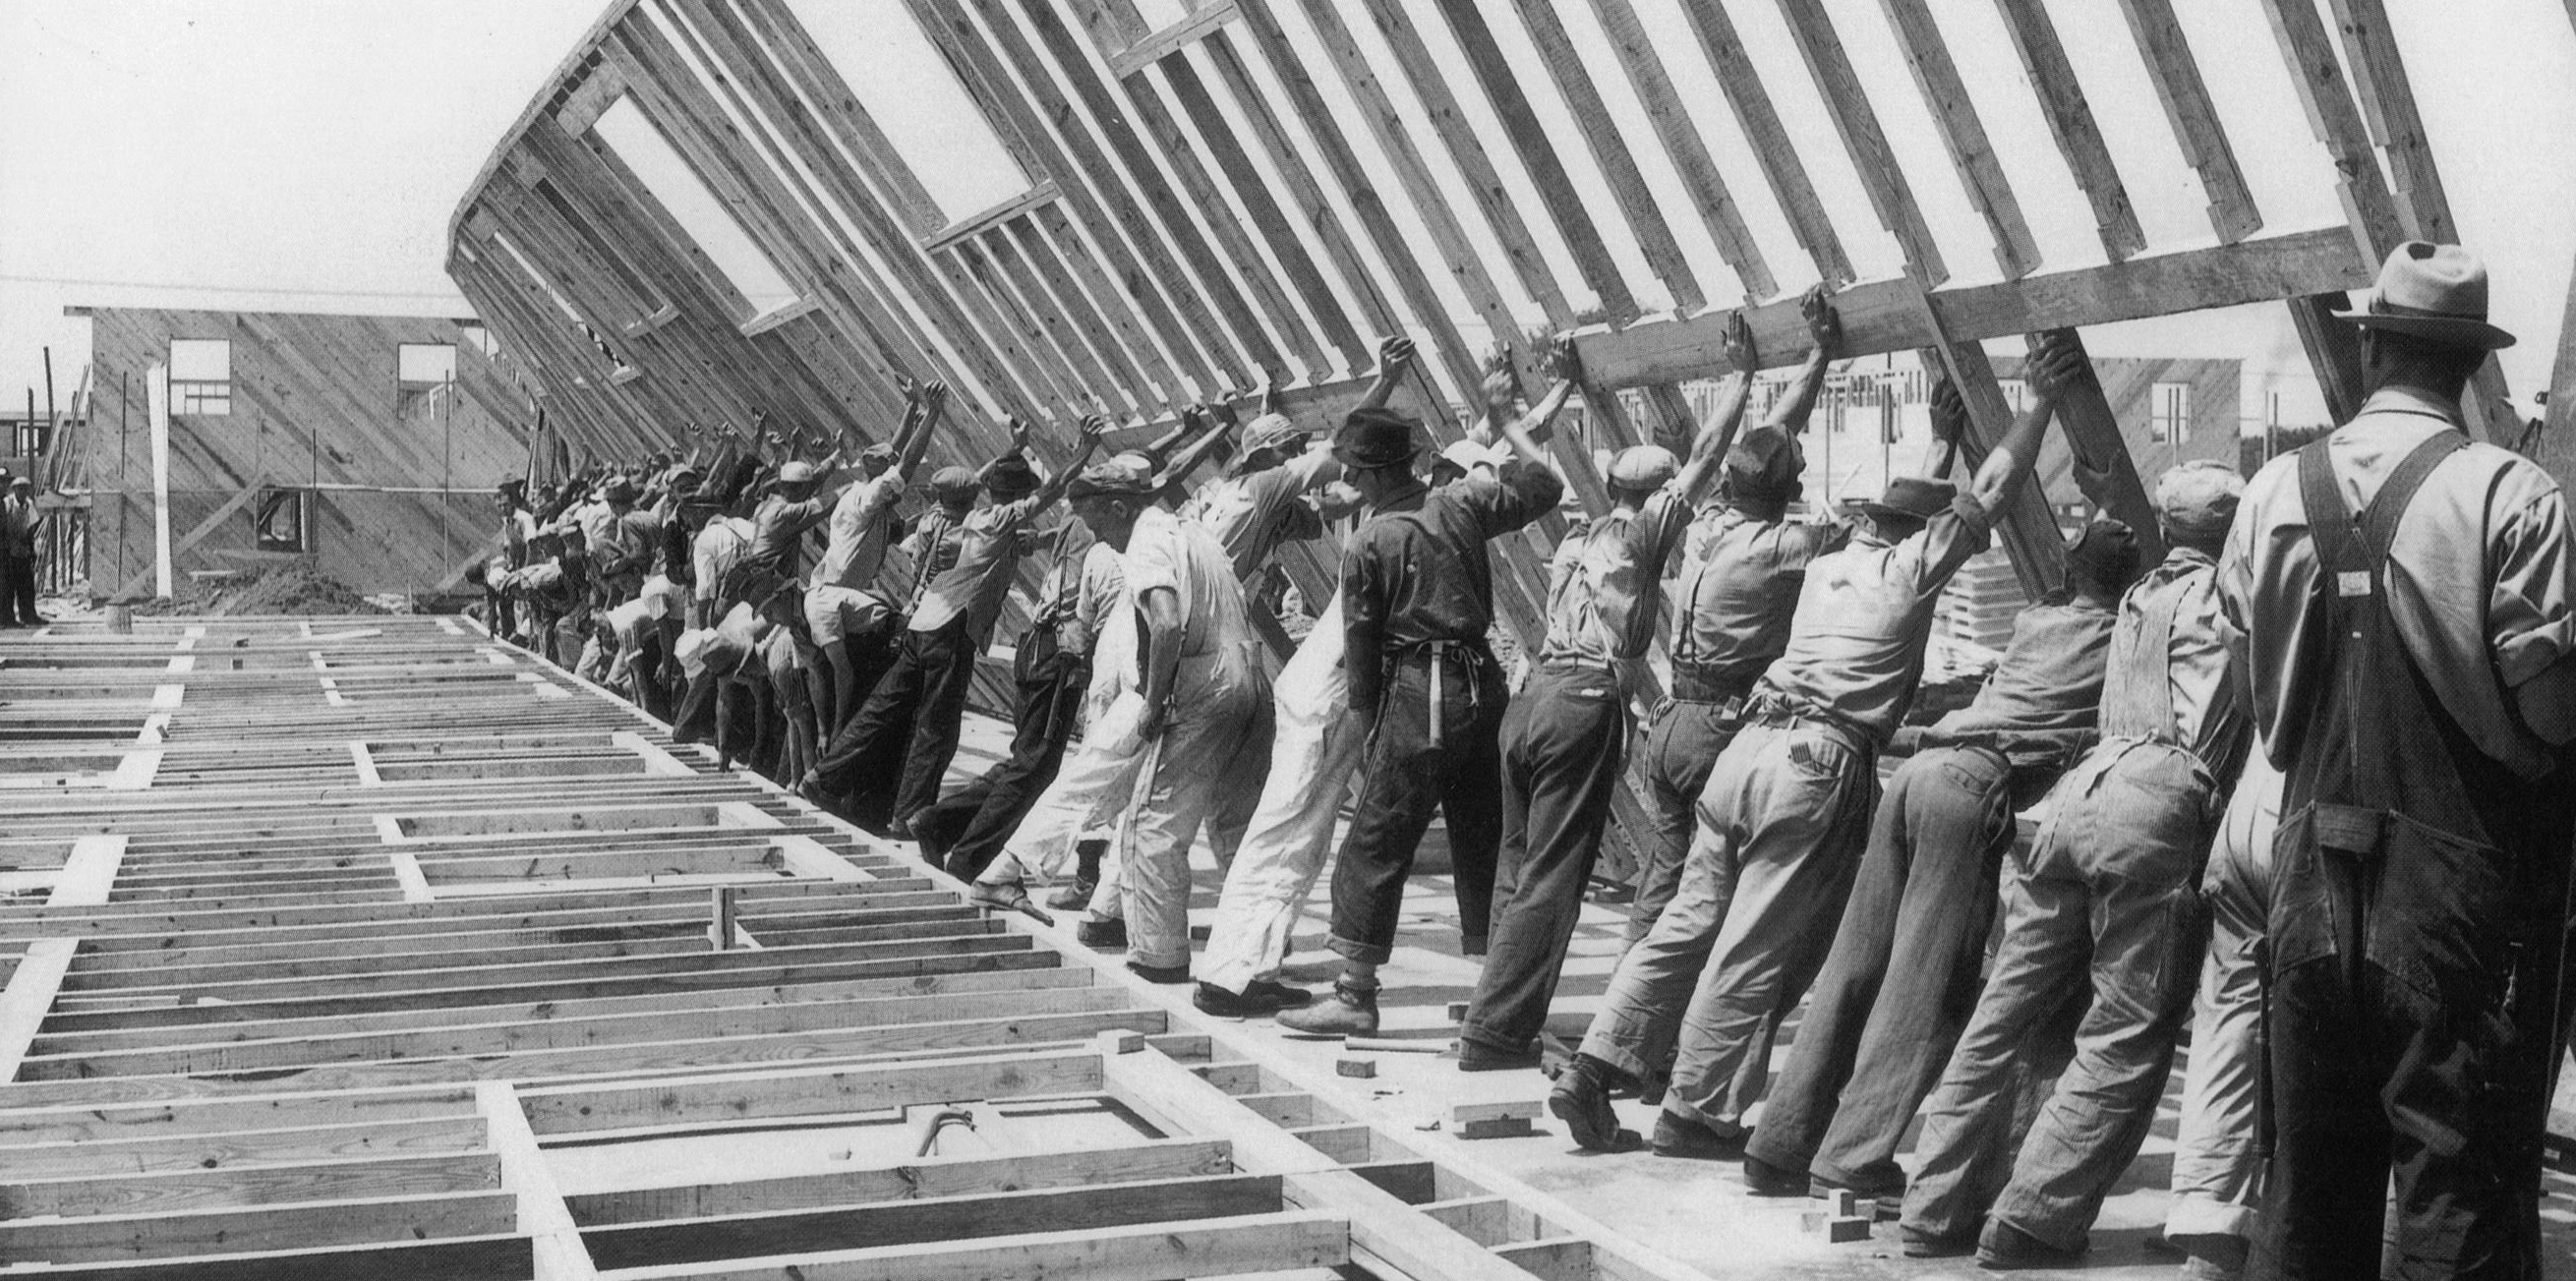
(1439, 655)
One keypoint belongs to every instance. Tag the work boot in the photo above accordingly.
(1680, 1136)
(2210, 1256)
(1761, 1178)
(1006, 896)
(1102, 935)
(1160, 973)
(1259, 997)
(1351, 1012)
(1086, 878)
(1476, 1056)
(2005, 1248)
(1581, 1099)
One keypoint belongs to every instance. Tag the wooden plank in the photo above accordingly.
(804, 1092)
(1205, 21)
(1158, 1159)
(1955, 116)
(2556, 449)
(1681, 140)
(187, 541)
(180, 1234)
(2028, 526)
(2203, 139)
(496, 1258)
(29, 997)
(1781, 168)
(1882, 316)
(1154, 1252)
(1079, 1208)
(2093, 432)
(223, 1189)
(1880, 176)
(98, 1157)
(2334, 351)
(2071, 123)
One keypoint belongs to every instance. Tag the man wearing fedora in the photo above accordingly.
(2402, 596)
(1787, 808)
(907, 730)
(2105, 903)
(1565, 740)
(1417, 601)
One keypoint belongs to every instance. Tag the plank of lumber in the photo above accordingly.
(188, 541)
(1153, 1252)
(1741, 81)
(1955, 117)
(805, 1092)
(2197, 129)
(1682, 143)
(96, 1157)
(177, 1234)
(1170, 40)
(2071, 122)
(29, 997)
(1882, 316)
(2093, 432)
(100, 1120)
(204, 1190)
(493, 1258)
(1866, 143)
(1159, 1159)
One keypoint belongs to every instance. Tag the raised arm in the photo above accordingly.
(2054, 367)
(1522, 433)
(1093, 428)
(922, 423)
(1394, 357)
(1221, 423)
(1191, 420)
(1825, 327)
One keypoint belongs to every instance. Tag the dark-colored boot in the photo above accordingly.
(1086, 878)
(1351, 1012)
(1581, 1099)
(1103, 936)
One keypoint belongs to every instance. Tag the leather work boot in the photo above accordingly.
(1259, 997)
(1351, 1012)
(1678, 1136)
(1105, 936)
(1581, 1099)
(1086, 878)
(1006, 896)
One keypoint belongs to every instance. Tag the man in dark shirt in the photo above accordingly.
(1417, 600)
(1903, 974)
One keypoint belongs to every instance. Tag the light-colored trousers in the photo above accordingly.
(2217, 1182)
(1312, 758)
(1095, 785)
(1213, 710)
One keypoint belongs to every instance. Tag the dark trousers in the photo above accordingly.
(18, 591)
(869, 657)
(644, 672)
(906, 733)
(1563, 743)
(1404, 777)
(1682, 746)
(2418, 1048)
(1898, 987)
(976, 819)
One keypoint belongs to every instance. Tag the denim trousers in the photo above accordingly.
(1781, 827)
(976, 819)
(906, 733)
(1563, 745)
(2108, 898)
(1682, 746)
(1902, 978)
(2217, 1164)
(1405, 776)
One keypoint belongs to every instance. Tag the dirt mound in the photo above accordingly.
(293, 588)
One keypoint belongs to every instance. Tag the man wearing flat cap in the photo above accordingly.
(2402, 595)
(1564, 742)
(906, 732)
(1417, 601)
(844, 585)
(1903, 975)
(1787, 808)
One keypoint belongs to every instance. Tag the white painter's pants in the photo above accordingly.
(1213, 709)
(1316, 750)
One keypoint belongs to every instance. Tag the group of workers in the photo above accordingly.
(2293, 752)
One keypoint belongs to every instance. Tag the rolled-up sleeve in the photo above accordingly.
(2529, 627)
(1947, 541)
(1517, 493)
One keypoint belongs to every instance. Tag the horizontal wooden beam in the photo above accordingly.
(977, 223)
(1884, 316)
(808, 1092)
(1150, 1252)
(1172, 39)
(1160, 1159)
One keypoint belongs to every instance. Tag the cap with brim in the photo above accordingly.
(1116, 478)
(1644, 467)
(2434, 292)
(1273, 431)
(1916, 498)
(21, 482)
(2198, 498)
(618, 490)
(1764, 461)
(1011, 477)
(796, 473)
(1376, 438)
(953, 485)
(708, 648)
(2106, 551)
(513, 486)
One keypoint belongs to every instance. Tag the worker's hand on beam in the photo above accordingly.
(1738, 341)
(1502, 383)
(1824, 324)
(1563, 361)
(1094, 427)
(1021, 431)
(2056, 367)
(1949, 414)
(1394, 354)
(1221, 410)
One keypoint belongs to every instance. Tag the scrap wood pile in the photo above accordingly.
(285, 588)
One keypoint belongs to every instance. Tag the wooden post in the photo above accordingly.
(720, 929)
(2556, 449)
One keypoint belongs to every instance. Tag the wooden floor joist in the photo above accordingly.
(239, 1044)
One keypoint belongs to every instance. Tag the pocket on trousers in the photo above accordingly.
(2442, 918)
(2300, 926)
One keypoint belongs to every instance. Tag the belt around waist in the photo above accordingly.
(1781, 713)
(1425, 651)
(1708, 685)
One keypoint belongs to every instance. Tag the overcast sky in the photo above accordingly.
(305, 154)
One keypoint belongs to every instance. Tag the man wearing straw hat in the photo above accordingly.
(2403, 598)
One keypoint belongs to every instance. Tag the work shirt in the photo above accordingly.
(1081, 589)
(1742, 592)
(619, 541)
(778, 533)
(2477, 580)
(719, 547)
(20, 518)
(1855, 652)
(856, 547)
(1417, 571)
(1605, 584)
(2042, 704)
(1217, 644)
(971, 568)
(518, 529)
(1252, 515)
(2207, 719)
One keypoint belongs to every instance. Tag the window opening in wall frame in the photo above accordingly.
(281, 521)
(2169, 412)
(651, 309)
(201, 376)
(424, 374)
(920, 102)
(667, 176)
(617, 363)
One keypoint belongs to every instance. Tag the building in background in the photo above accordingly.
(366, 444)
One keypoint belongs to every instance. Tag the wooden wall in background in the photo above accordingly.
(315, 404)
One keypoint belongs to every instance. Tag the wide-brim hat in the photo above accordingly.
(2436, 292)
(1273, 431)
(1010, 476)
(1916, 498)
(1376, 438)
